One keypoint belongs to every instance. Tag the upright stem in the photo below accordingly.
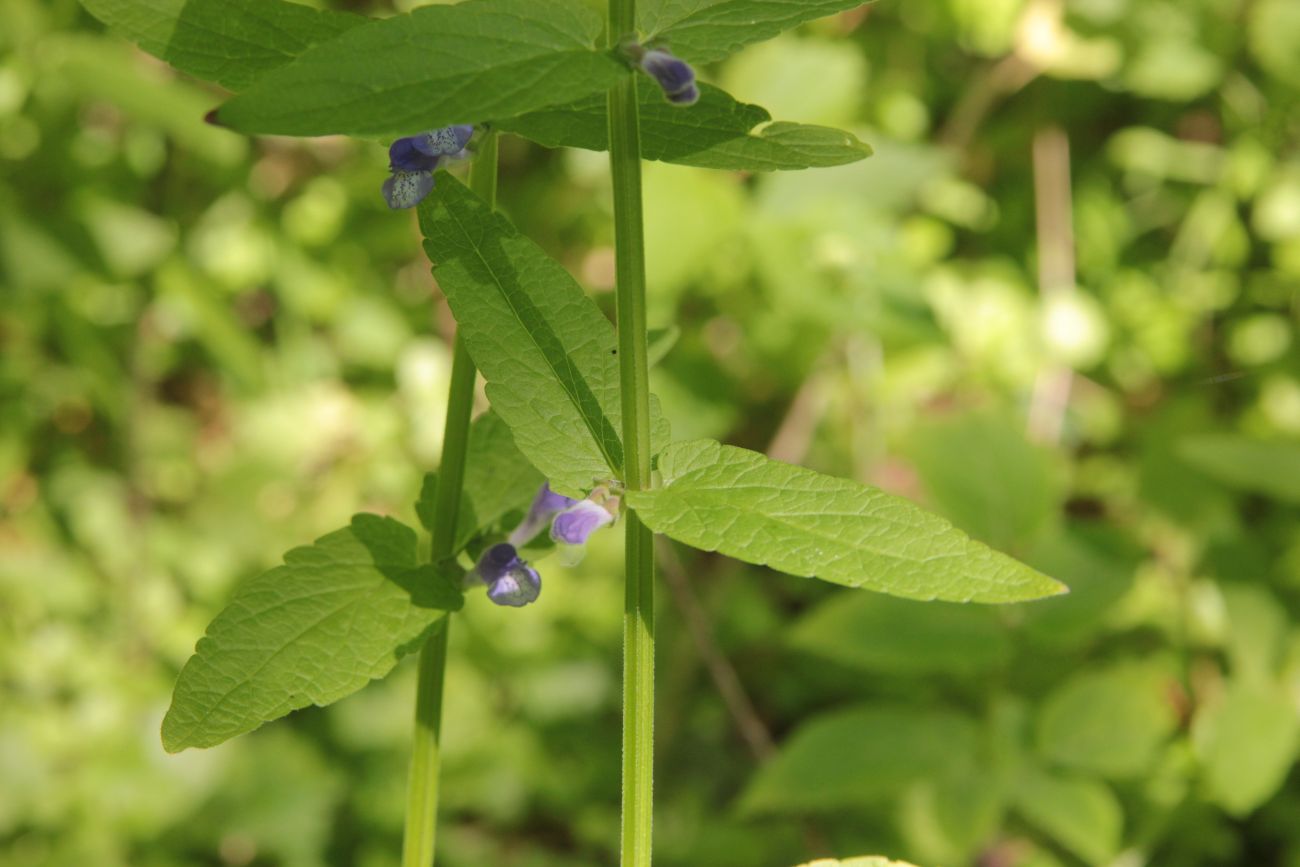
(638, 606)
(422, 793)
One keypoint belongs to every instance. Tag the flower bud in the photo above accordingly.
(674, 75)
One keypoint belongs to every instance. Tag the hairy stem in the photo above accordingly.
(638, 606)
(422, 793)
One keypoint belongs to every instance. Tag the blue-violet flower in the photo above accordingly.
(413, 158)
(575, 524)
(545, 504)
(674, 75)
(510, 580)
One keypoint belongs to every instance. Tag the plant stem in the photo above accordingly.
(638, 606)
(422, 792)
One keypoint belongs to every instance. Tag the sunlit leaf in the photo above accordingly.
(702, 31)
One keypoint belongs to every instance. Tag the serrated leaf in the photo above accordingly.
(1269, 467)
(1246, 742)
(854, 757)
(902, 636)
(1080, 814)
(715, 133)
(231, 42)
(498, 480)
(1110, 721)
(544, 347)
(470, 62)
(703, 31)
(336, 615)
(740, 503)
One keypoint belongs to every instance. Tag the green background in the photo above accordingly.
(214, 349)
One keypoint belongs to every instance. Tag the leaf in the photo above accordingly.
(859, 756)
(231, 42)
(738, 502)
(1003, 498)
(336, 615)
(474, 61)
(660, 341)
(1257, 627)
(1269, 467)
(1083, 815)
(902, 636)
(1111, 722)
(546, 350)
(498, 481)
(702, 31)
(1098, 563)
(715, 133)
(1246, 743)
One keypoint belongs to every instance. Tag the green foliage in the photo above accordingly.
(232, 42)
(546, 351)
(499, 481)
(335, 616)
(1271, 468)
(859, 756)
(1246, 741)
(441, 65)
(715, 133)
(703, 31)
(727, 499)
(1082, 814)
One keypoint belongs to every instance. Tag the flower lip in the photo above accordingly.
(405, 189)
(575, 524)
(445, 142)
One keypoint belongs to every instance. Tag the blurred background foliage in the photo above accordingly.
(1059, 306)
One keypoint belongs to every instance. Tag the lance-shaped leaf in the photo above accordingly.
(231, 42)
(544, 347)
(337, 614)
(498, 480)
(439, 65)
(715, 133)
(738, 502)
(703, 31)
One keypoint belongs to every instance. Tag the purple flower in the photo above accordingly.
(674, 75)
(510, 580)
(575, 524)
(407, 189)
(545, 504)
(413, 158)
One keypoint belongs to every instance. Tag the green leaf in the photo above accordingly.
(1246, 742)
(231, 42)
(738, 502)
(902, 636)
(1257, 627)
(854, 757)
(715, 133)
(1082, 815)
(474, 61)
(703, 31)
(1098, 563)
(1003, 498)
(1269, 467)
(1112, 722)
(498, 480)
(336, 615)
(544, 347)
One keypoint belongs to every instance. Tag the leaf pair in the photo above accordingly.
(535, 68)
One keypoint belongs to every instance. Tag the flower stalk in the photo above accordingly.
(422, 791)
(638, 609)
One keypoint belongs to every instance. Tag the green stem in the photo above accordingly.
(638, 606)
(422, 793)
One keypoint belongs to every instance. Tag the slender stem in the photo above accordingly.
(422, 793)
(638, 606)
